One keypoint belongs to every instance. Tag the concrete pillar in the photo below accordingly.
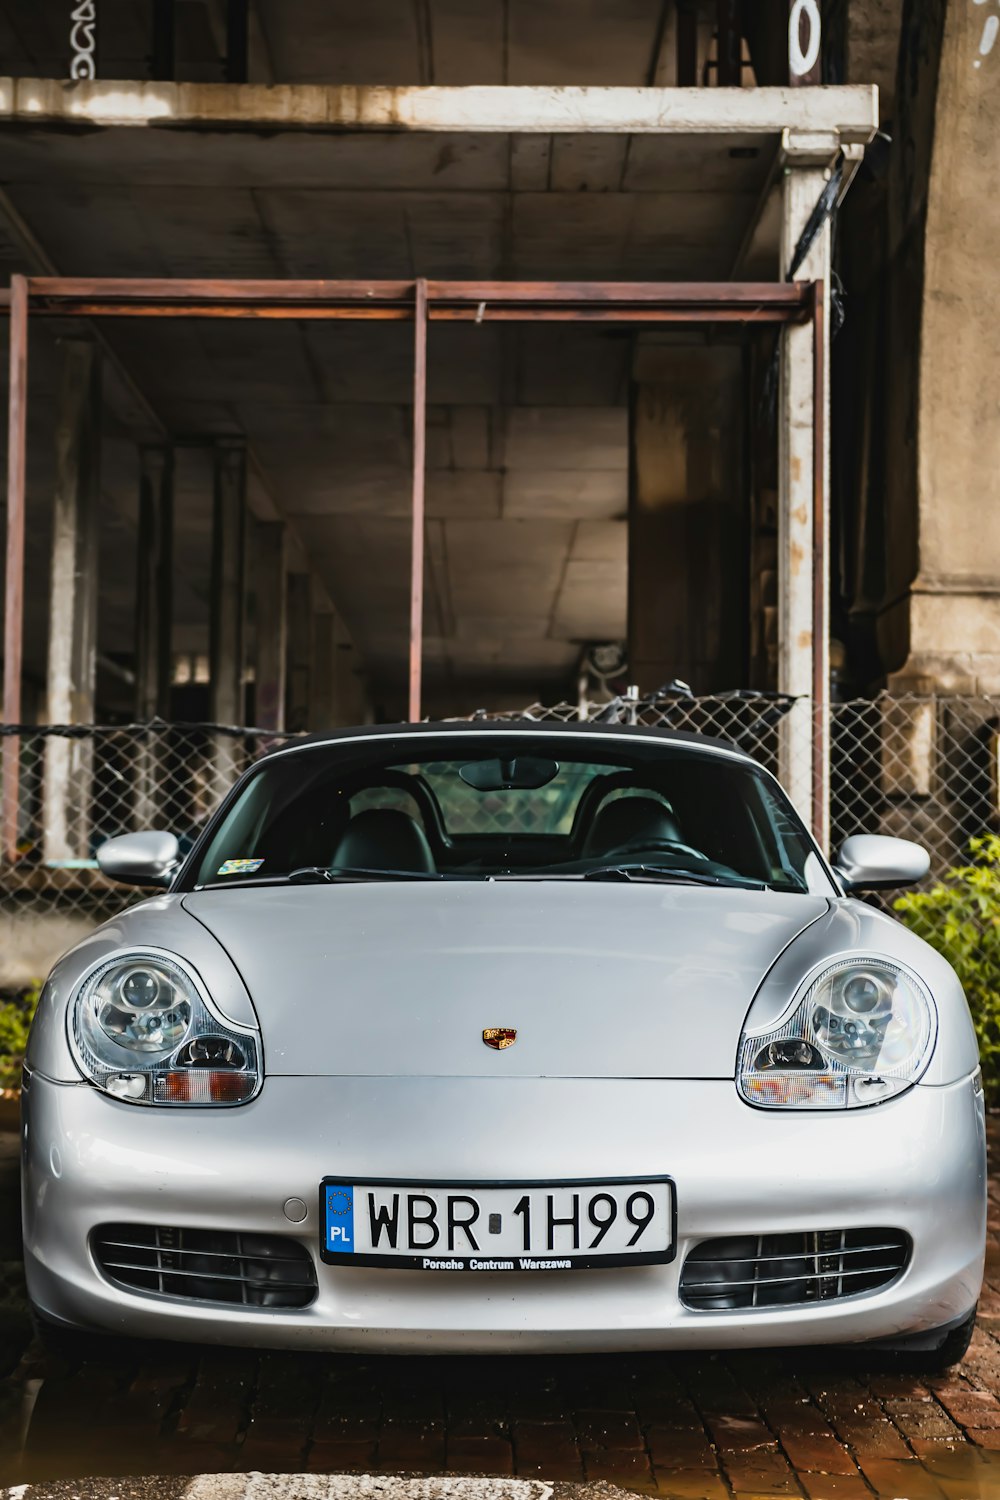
(228, 601)
(324, 710)
(298, 715)
(153, 621)
(154, 582)
(72, 654)
(807, 163)
(271, 623)
(940, 627)
(686, 566)
(351, 690)
(228, 605)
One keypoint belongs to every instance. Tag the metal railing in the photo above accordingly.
(919, 767)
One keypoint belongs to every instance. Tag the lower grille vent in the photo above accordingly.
(780, 1270)
(207, 1265)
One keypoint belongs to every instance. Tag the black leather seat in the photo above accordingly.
(383, 838)
(635, 822)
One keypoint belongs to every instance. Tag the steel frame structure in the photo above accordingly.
(420, 302)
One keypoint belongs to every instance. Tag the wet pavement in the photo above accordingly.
(687, 1427)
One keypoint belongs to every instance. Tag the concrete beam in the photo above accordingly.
(301, 597)
(154, 582)
(270, 623)
(153, 621)
(851, 111)
(324, 711)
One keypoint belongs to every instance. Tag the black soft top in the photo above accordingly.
(508, 727)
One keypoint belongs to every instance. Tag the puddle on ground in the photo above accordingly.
(177, 1410)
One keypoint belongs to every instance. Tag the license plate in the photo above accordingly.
(463, 1226)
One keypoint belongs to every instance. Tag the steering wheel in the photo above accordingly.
(657, 846)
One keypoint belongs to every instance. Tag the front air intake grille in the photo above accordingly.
(207, 1265)
(781, 1270)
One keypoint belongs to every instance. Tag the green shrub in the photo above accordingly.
(15, 1021)
(960, 917)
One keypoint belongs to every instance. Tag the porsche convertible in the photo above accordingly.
(506, 1037)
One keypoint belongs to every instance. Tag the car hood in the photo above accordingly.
(598, 980)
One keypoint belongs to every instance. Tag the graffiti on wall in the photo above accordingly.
(988, 35)
(83, 39)
(804, 37)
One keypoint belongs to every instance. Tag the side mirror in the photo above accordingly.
(872, 862)
(140, 858)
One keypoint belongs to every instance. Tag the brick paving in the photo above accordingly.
(817, 1425)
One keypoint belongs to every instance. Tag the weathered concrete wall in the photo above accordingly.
(917, 369)
(954, 607)
(687, 517)
(875, 358)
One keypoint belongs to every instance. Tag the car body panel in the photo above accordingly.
(159, 922)
(598, 979)
(852, 927)
(736, 1170)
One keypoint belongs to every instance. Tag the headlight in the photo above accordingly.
(142, 1029)
(862, 1031)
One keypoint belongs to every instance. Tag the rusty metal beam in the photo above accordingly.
(517, 313)
(475, 301)
(13, 622)
(421, 301)
(436, 314)
(419, 468)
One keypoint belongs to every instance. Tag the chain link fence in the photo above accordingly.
(80, 785)
(918, 767)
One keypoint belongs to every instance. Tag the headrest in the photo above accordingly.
(631, 820)
(383, 838)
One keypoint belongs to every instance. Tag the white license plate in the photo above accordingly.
(462, 1226)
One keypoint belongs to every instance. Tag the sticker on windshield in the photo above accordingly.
(239, 866)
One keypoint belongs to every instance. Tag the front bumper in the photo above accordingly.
(916, 1164)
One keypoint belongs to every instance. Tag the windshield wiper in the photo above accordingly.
(314, 874)
(657, 872)
(320, 875)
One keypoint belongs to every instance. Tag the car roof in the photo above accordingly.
(685, 737)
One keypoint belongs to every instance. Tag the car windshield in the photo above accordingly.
(489, 806)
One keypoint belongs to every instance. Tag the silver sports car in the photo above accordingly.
(506, 1037)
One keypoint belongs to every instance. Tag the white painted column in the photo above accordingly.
(72, 655)
(808, 160)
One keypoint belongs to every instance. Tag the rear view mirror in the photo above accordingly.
(873, 862)
(526, 773)
(140, 858)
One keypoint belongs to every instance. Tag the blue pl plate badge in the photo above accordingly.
(339, 1209)
(239, 866)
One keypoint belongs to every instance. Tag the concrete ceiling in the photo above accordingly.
(382, 41)
(527, 427)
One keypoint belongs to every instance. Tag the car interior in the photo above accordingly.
(461, 817)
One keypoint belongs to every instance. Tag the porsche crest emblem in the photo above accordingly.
(499, 1037)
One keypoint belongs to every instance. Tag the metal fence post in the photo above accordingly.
(419, 461)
